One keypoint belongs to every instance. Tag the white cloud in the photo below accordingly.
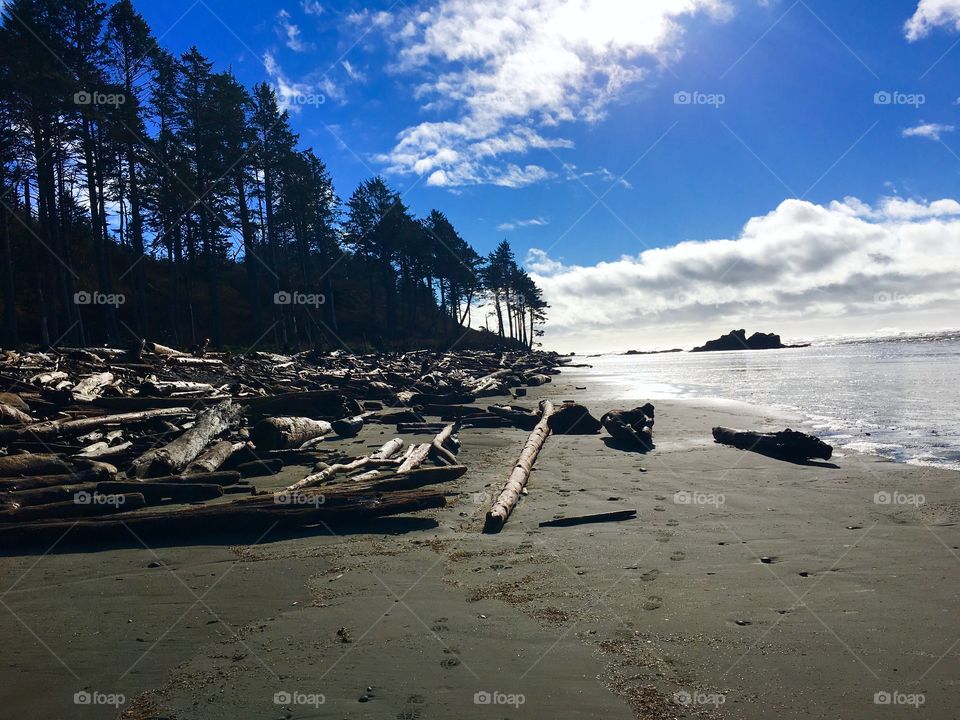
(291, 32)
(311, 7)
(841, 266)
(292, 96)
(506, 69)
(931, 14)
(931, 131)
(353, 72)
(531, 222)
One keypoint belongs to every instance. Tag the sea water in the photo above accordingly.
(896, 397)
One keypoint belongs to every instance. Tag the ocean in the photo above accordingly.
(895, 397)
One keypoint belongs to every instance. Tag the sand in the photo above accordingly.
(764, 589)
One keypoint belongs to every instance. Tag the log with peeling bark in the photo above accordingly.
(176, 455)
(213, 457)
(787, 445)
(104, 449)
(91, 387)
(14, 401)
(510, 494)
(280, 433)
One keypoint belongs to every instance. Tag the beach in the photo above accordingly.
(746, 587)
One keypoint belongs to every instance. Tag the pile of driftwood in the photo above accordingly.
(105, 441)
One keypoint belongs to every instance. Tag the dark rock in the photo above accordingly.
(738, 340)
(573, 419)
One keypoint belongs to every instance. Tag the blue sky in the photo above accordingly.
(562, 125)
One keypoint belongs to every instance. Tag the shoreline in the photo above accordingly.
(625, 619)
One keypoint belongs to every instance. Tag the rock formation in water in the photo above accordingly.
(738, 340)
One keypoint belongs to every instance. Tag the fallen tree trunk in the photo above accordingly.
(787, 444)
(155, 492)
(31, 464)
(176, 455)
(281, 433)
(83, 505)
(10, 415)
(71, 428)
(94, 472)
(213, 457)
(243, 516)
(510, 495)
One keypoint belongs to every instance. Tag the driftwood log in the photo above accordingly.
(510, 495)
(787, 444)
(281, 433)
(176, 455)
(633, 428)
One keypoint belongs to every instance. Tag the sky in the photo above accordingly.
(667, 170)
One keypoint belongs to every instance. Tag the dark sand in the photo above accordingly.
(618, 620)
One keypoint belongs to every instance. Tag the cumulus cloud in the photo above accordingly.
(840, 262)
(531, 222)
(931, 14)
(311, 7)
(507, 71)
(931, 131)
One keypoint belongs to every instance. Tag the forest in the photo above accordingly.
(149, 195)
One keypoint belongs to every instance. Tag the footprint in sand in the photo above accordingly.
(659, 497)
(652, 602)
(439, 627)
(673, 523)
(412, 714)
(650, 575)
(450, 662)
(416, 699)
(679, 555)
(659, 508)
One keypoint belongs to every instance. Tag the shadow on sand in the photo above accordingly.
(88, 539)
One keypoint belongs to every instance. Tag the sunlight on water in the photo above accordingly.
(895, 398)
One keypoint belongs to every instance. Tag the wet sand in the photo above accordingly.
(745, 588)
